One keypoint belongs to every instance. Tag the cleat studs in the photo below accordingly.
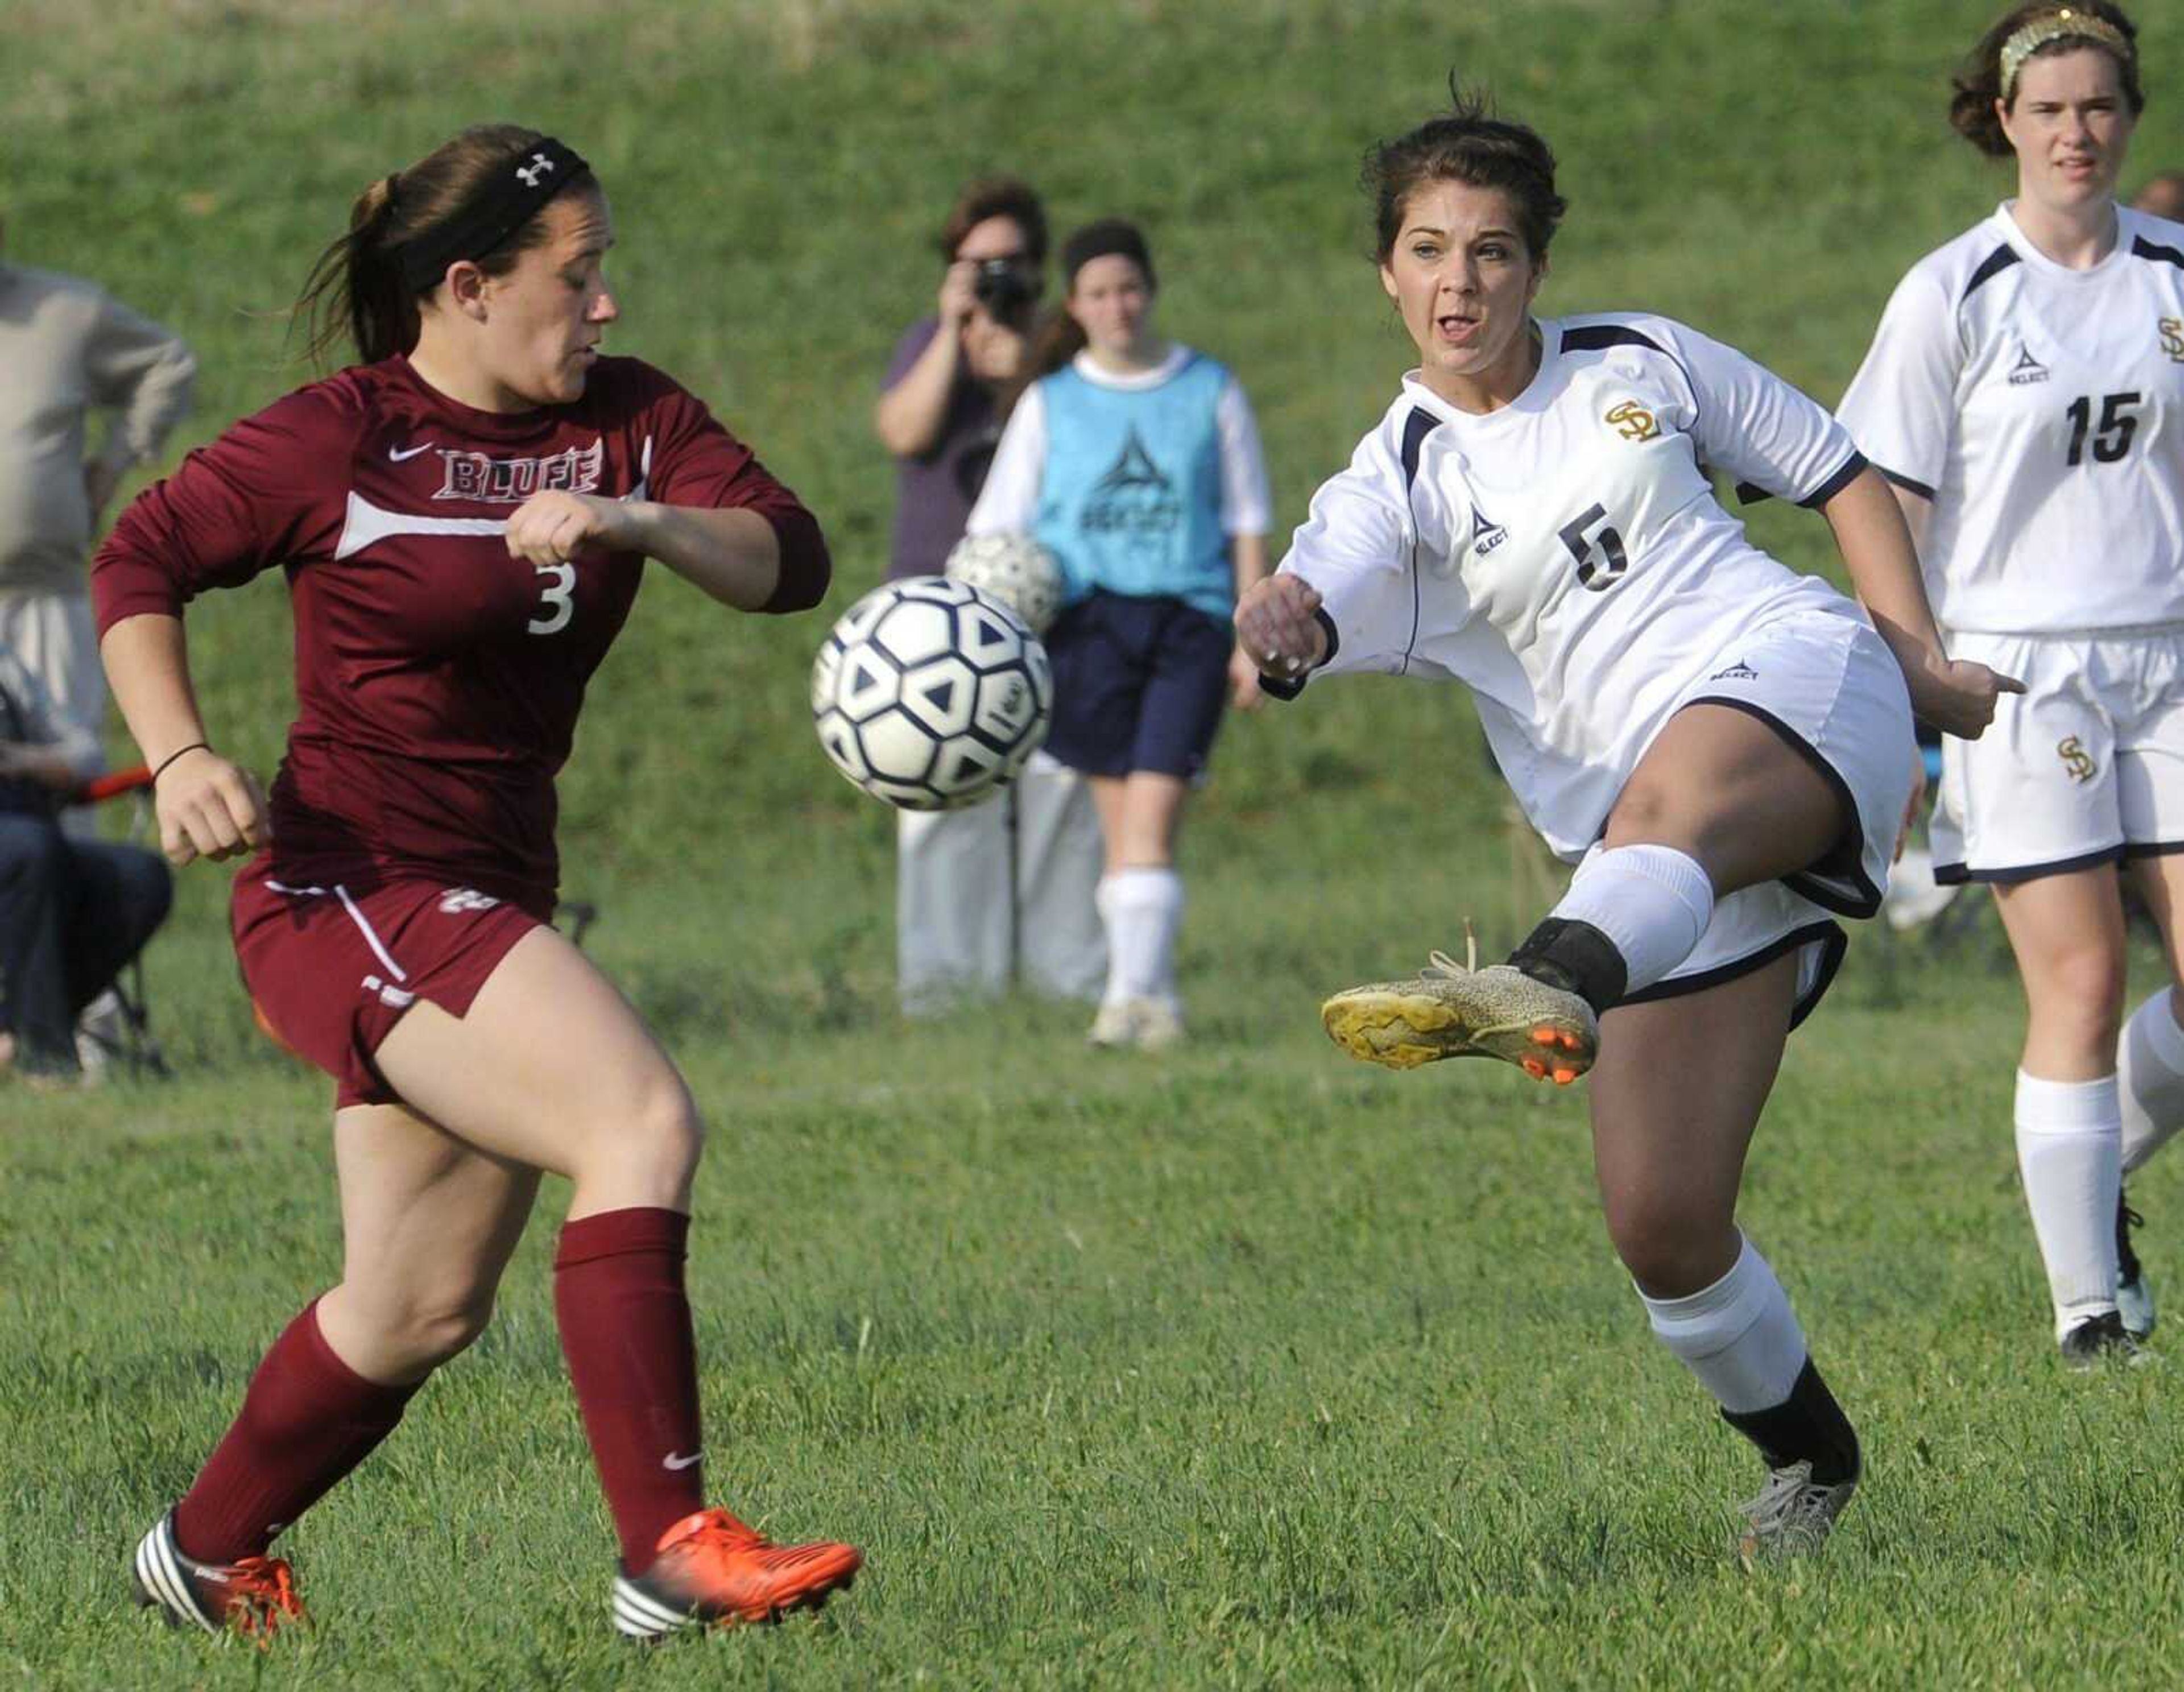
(1564, 1077)
(1543, 1036)
(1536, 1068)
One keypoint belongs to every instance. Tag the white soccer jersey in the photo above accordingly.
(1565, 556)
(2041, 409)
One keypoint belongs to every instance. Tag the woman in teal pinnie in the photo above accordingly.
(1135, 461)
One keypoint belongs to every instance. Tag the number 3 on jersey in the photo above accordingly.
(1600, 558)
(555, 606)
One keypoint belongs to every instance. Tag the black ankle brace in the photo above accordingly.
(1576, 957)
(1808, 1427)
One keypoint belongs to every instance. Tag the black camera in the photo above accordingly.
(1004, 288)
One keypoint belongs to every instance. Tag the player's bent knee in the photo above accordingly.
(661, 1125)
(1671, 1248)
(2082, 990)
(433, 1333)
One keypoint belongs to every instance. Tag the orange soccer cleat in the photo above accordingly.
(251, 1597)
(712, 1569)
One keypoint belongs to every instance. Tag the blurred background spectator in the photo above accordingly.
(2162, 196)
(67, 350)
(73, 910)
(1000, 893)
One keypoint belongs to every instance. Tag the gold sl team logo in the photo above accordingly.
(1633, 421)
(2076, 759)
(2172, 338)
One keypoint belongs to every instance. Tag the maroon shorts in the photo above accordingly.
(334, 955)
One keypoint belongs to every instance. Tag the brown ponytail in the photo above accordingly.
(355, 289)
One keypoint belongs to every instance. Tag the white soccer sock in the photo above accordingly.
(1653, 902)
(2070, 1151)
(2150, 1079)
(1739, 1336)
(1143, 909)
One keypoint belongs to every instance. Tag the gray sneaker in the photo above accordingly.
(1447, 1011)
(1791, 1516)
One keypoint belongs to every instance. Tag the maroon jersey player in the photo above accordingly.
(463, 519)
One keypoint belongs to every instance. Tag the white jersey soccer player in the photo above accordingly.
(2039, 410)
(1725, 744)
(2024, 392)
(1566, 558)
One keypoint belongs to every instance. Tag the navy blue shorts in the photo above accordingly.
(1138, 684)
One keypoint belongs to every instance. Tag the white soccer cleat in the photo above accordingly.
(1791, 1516)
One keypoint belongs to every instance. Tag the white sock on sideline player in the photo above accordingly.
(2070, 1151)
(1142, 909)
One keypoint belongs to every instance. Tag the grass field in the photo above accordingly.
(1244, 1368)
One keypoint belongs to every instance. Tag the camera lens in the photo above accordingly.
(1002, 287)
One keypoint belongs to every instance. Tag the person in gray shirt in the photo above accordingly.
(69, 349)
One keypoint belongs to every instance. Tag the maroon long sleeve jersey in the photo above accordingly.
(437, 679)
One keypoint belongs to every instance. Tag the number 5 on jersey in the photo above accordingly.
(556, 605)
(1600, 558)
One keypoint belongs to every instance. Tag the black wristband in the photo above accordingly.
(194, 746)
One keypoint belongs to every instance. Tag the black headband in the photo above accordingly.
(508, 198)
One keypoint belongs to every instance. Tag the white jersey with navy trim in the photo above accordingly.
(2041, 409)
(1565, 556)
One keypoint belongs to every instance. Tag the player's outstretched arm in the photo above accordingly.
(733, 553)
(1958, 697)
(207, 806)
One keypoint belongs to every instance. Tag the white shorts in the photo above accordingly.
(1830, 687)
(2086, 767)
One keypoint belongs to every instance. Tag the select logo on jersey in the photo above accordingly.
(457, 900)
(510, 481)
(2172, 338)
(1134, 504)
(1487, 534)
(1633, 421)
(1738, 671)
(2027, 370)
(2076, 760)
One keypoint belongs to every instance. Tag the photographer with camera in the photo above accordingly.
(1001, 891)
(942, 403)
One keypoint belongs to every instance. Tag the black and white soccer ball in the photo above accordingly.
(929, 693)
(1015, 570)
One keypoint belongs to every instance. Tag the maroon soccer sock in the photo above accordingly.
(626, 1331)
(307, 1419)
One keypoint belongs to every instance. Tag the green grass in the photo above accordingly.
(1248, 1368)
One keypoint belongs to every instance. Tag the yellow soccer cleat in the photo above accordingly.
(1447, 1011)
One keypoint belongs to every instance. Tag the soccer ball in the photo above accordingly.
(1015, 570)
(929, 693)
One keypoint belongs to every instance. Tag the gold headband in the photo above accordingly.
(2065, 24)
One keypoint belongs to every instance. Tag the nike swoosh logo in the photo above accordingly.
(672, 1461)
(411, 454)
